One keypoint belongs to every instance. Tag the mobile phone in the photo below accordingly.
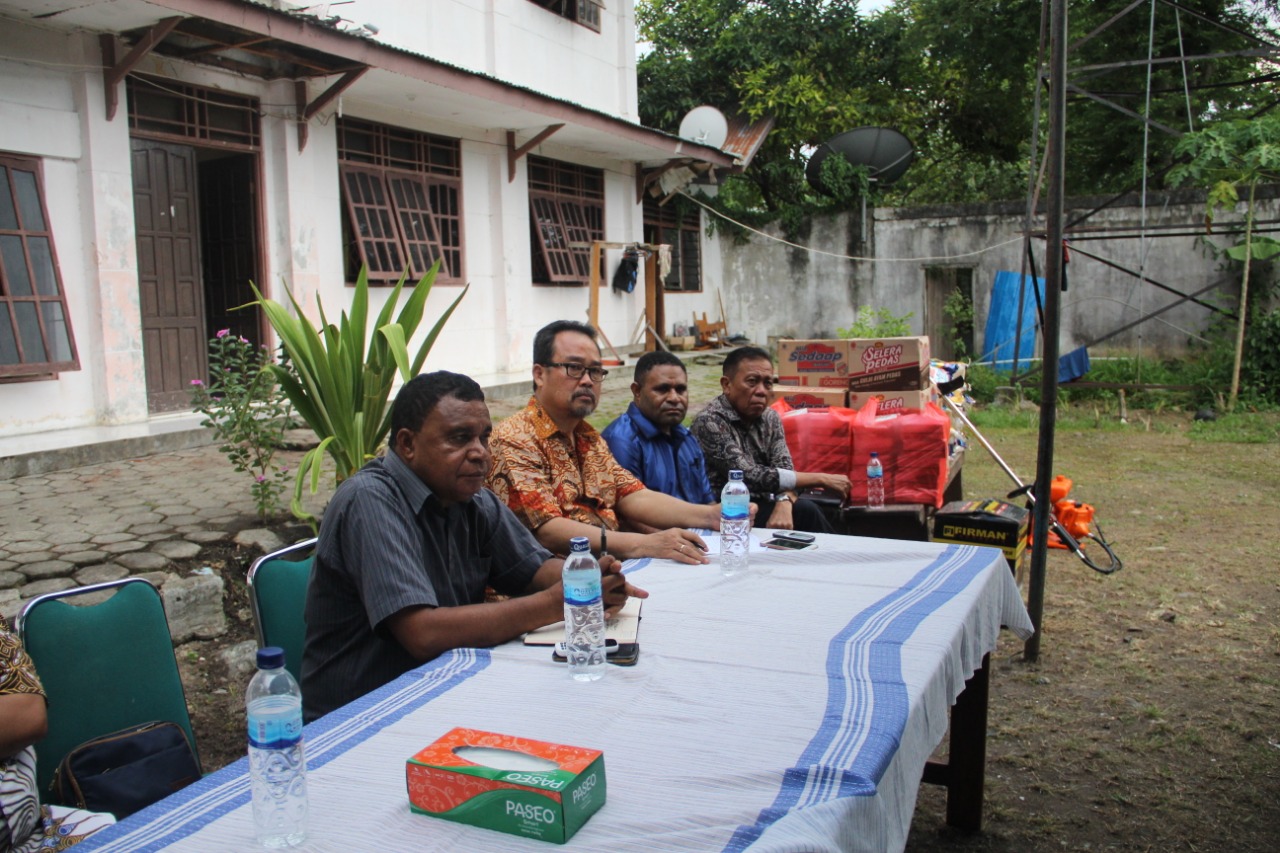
(619, 654)
(778, 544)
(795, 535)
(610, 647)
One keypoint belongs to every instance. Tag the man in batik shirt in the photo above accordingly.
(557, 475)
(738, 430)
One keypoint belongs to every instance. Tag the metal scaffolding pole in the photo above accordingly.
(1053, 264)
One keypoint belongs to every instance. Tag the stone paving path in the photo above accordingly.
(131, 518)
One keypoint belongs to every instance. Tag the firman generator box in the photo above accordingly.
(810, 398)
(892, 402)
(822, 363)
(984, 522)
(888, 364)
(511, 784)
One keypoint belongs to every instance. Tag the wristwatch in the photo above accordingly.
(784, 497)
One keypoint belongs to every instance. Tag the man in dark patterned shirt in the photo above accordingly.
(738, 430)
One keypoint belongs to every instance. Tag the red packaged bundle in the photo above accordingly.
(820, 440)
(913, 448)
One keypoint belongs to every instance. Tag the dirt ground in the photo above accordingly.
(1150, 721)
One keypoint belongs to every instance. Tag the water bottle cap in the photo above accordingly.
(579, 543)
(270, 657)
(735, 474)
(875, 455)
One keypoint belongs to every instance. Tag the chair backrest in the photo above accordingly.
(105, 665)
(278, 595)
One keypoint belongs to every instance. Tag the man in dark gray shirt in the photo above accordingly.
(408, 545)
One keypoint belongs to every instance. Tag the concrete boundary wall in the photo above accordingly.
(775, 290)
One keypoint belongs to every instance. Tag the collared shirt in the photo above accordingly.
(757, 449)
(541, 474)
(665, 462)
(387, 543)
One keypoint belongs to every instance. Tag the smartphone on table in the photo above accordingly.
(790, 540)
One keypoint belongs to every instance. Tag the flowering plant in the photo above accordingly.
(247, 412)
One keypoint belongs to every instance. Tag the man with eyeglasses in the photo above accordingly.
(555, 472)
(738, 430)
(649, 440)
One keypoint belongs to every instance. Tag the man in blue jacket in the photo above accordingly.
(649, 440)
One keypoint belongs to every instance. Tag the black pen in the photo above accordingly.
(604, 541)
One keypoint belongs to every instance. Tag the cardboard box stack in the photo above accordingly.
(894, 372)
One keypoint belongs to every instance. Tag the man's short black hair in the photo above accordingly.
(741, 354)
(421, 394)
(657, 358)
(544, 342)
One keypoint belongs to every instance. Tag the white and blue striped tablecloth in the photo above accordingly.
(790, 709)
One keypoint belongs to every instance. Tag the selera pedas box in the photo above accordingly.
(550, 804)
(894, 364)
(892, 402)
(824, 363)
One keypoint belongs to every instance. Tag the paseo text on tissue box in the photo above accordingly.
(525, 787)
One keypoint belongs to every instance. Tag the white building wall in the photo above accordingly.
(518, 42)
(52, 107)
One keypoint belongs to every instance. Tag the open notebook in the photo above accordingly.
(623, 627)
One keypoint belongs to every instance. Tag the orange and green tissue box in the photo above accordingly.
(523, 787)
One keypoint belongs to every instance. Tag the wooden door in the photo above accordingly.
(174, 336)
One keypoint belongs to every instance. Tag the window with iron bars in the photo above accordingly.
(402, 202)
(35, 328)
(682, 230)
(585, 12)
(566, 211)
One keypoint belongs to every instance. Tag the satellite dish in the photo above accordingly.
(706, 126)
(885, 152)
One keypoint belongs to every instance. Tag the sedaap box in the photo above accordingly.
(822, 363)
(811, 397)
(892, 402)
(888, 363)
(550, 803)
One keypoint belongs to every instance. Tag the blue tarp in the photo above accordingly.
(1002, 322)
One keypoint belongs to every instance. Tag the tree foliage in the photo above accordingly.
(957, 77)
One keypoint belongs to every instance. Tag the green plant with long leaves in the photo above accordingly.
(1222, 157)
(339, 376)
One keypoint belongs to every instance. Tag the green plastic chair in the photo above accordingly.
(278, 595)
(105, 666)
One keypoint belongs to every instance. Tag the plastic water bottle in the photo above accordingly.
(277, 766)
(735, 525)
(875, 481)
(583, 612)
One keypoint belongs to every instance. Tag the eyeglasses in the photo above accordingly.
(575, 371)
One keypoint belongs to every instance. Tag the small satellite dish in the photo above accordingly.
(706, 126)
(885, 152)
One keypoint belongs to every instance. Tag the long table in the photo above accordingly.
(793, 708)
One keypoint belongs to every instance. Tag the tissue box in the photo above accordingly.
(550, 804)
